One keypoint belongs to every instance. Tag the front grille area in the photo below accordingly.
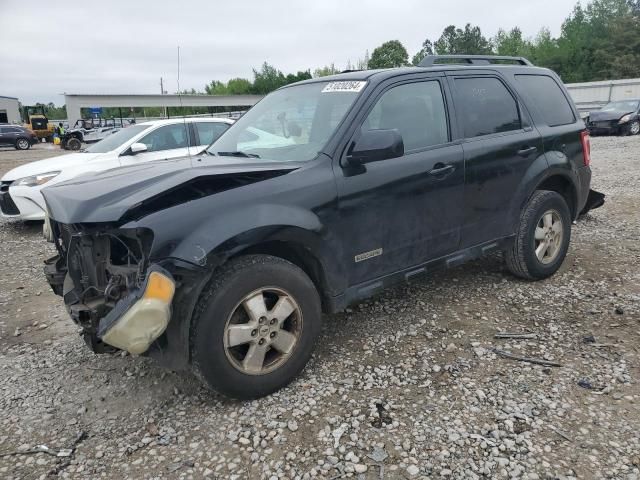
(7, 205)
(604, 124)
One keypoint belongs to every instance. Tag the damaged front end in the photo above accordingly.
(108, 286)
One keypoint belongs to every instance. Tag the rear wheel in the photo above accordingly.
(543, 236)
(255, 326)
(22, 144)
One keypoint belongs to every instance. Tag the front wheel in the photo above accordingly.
(633, 128)
(255, 326)
(73, 144)
(22, 144)
(542, 239)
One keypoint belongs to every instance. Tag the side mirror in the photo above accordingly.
(138, 148)
(376, 145)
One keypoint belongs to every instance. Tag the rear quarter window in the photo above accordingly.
(547, 98)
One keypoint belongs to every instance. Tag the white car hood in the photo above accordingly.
(50, 165)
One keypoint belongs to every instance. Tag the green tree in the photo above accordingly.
(511, 43)
(267, 79)
(427, 49)
(298, 77)
(238, 86)
(326, 71)
(455, 41)
(388, 55)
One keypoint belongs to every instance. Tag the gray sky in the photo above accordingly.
(115, 46)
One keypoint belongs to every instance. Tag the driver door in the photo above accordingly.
(404, 211)
(165, 142)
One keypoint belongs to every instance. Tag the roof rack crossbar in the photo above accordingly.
(431, 60)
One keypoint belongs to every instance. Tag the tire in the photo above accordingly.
(220, 311)
(23, 144)
(73, 144)
(521, 256)
(633, 128)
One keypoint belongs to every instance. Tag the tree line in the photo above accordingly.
(599, 41)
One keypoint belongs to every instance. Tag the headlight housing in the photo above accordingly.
(625, 119)
(35, 180)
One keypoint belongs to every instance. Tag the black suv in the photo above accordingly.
(321, 195)
(16, 136)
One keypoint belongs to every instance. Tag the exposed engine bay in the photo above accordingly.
(94, 270)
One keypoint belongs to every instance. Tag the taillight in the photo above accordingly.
(586, 147)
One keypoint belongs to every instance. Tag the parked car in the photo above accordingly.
(20, 138)
(615, 118)
(224, 264)
(20, 188)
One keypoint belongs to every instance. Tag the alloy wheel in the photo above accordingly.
(262, 331)
(548, 235)
(635, 128)
(23, 144)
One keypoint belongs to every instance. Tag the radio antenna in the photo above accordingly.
(184, 119)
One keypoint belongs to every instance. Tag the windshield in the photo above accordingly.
(628, 106)
(117, 139)
(291, 124)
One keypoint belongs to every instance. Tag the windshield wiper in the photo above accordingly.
(238, 154)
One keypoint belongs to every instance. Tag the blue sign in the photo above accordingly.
(96, 110)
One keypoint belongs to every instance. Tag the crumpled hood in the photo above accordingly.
(606, 116)
(106, 196)
(49, 165)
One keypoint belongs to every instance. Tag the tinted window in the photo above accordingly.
(117, 139)
(547, 96)
(210, 131)
(416, 110)
(166, 138)
(486, 106)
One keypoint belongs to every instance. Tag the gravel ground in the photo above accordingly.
(405, 385)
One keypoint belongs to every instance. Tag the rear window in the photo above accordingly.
(548, 98)
(487, 106)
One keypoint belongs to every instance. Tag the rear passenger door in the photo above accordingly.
(403, 211)
(499, 144)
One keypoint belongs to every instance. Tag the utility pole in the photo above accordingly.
(162, 92)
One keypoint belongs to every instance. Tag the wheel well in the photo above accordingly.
(564, 187)
(297, 255)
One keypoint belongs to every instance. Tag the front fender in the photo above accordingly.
(209, 241)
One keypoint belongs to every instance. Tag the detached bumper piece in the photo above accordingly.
(594, 200)
(140, 318)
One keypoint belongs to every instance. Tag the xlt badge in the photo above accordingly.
(367, 255)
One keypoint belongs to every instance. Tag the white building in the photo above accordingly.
(9, 110)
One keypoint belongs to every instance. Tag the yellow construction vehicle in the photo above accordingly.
(37, 121)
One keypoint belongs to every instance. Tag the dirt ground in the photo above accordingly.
(405, 385)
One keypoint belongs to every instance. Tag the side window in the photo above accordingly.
(486, 106)
(547, 97)
(210, 131)
(416, 110)
(166, 138)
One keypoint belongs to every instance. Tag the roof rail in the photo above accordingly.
(431, 60)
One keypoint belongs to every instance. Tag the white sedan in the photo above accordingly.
(20, 196)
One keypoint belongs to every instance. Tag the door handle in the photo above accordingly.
(440, 169)
(526, 151)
